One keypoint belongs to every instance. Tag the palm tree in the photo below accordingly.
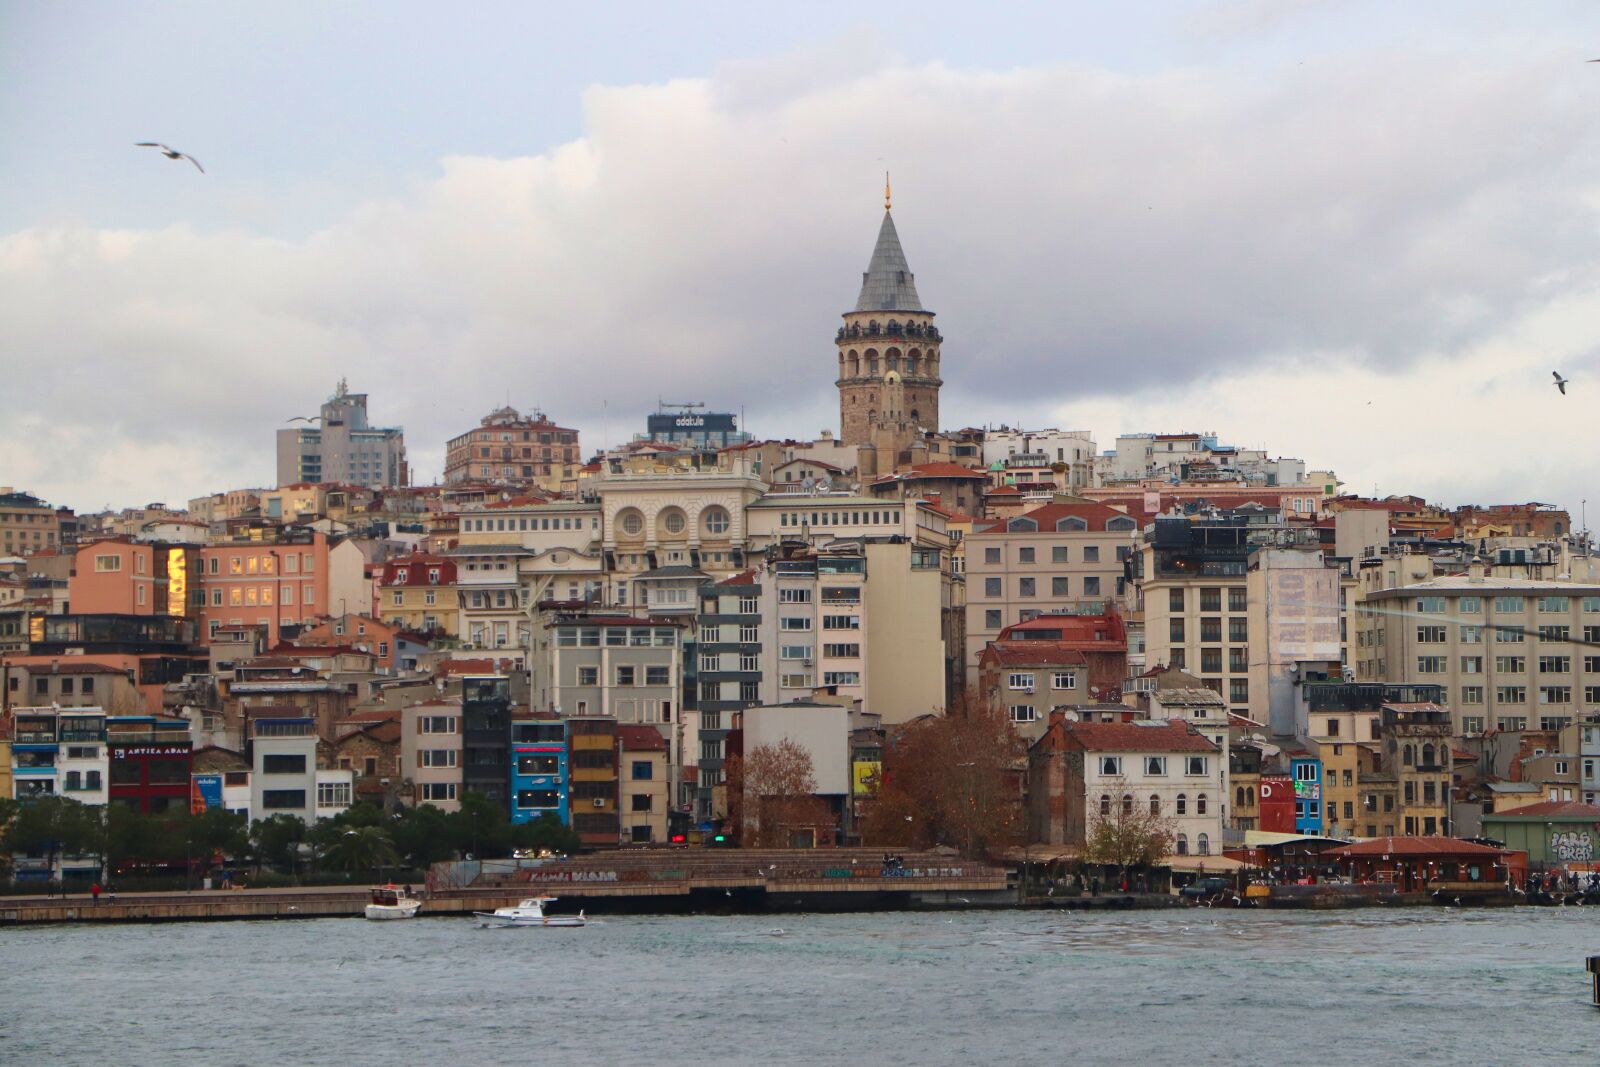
(362, 848)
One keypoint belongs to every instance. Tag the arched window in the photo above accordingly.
(1071, 522)
(1203, 845)
(1250, 795)
(1183, 844)
(1238, 797)
(714, 520)
(1427, 755)
(1120, 523)
(1155, 804)
(672, 522)
(1127, 803)
(872, 362)
(1408, 755)
(1105, 803)
(1021, 525)
(1183, 804)
(1200, 804)
(630, 521)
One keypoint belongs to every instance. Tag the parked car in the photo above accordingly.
(1205, 888)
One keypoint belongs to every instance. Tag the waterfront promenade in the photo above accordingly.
(626, 880)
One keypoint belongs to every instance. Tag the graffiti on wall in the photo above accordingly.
(1572, 846)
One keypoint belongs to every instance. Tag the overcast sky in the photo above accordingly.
(1347, 233)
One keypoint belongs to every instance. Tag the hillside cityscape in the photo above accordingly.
(1171, 654)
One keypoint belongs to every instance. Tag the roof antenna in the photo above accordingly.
(886, 190)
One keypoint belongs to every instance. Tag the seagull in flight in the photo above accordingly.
(171, 153)
(1560, 382)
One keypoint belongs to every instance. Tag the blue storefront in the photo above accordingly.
(1307, 774)
(539, 770)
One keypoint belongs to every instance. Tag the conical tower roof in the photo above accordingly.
(888, 284)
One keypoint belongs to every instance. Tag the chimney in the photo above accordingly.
(1057, 717)
(1476, 570)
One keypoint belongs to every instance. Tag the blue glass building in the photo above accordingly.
(539, 770)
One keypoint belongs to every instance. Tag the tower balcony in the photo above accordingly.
(910, 381)
(900, 331)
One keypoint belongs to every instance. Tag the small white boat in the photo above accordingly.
(529, 912)
(390, 902)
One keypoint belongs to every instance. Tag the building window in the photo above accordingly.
(1025, 587)
(1175, 600)
(283, 763)
(437, 791)
(1110, 766)
(991, 620)
(1023, 713)
(281, 799)
(1024, 555)
(991, 587)
(626, 674)
(1064, 680)
(1193, 765)
(1155, 766)
(1020, 681)
(333, 794)
(1181, 806)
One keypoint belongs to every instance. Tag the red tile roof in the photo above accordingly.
(933, 470)
(1095, 514)
(1404, 847)
(1029, 653)
(1563, 810)
(641, 739)
(1171, 736)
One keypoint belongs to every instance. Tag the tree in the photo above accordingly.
(1126, 833)
(217, 831)
(424, 835)
(482, 826)
(53, 827)
(363, 848)
(276, 840)
(959, 779)
(772, 794)
(546, 833)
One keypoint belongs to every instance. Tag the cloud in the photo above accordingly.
(1157, 251)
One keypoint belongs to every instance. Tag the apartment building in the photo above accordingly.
(417, 592)
(626, 669)
(730, 672)
(27, 524)
(1244, 620)
(1051, 662)
(1508, 654)
(645, 801)
(1053, 560)
(491, 600)
(280, 579)
(507, 446)
(431, 751)
(540, 776)
(596, 780)
(1081, 772)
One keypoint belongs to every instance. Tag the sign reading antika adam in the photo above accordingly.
(148, 751)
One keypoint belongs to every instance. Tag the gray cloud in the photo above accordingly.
(1081, 233)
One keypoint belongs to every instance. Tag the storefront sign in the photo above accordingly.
(149, 751)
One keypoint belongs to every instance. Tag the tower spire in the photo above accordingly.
(886, 190)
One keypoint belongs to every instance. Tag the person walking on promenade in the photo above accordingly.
(94, 891)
